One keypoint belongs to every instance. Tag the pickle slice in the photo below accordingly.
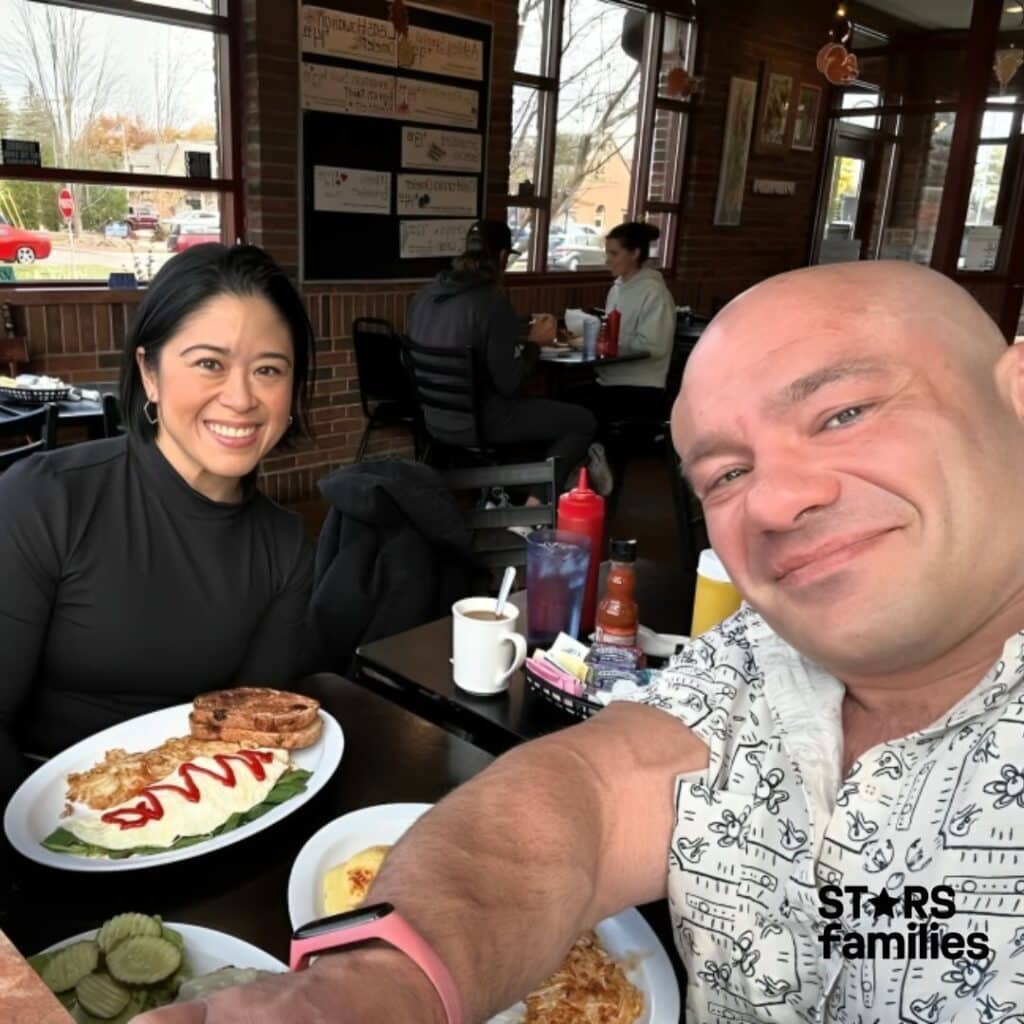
(101, 996)
(68, 966)
(126, 926)
(143, 960)
(135, 1006)
(175, 938)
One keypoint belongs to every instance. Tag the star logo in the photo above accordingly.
(883, 904)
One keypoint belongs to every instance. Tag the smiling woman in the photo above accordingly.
(142, 570)
(217, 366)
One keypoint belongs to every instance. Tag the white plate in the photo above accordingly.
(334, 844)
(626, 936)
(35, 809)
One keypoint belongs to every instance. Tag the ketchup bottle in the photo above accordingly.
(613, 320)
(581, 510)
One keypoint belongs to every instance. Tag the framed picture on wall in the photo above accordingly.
(732, 175)
(805, 125)
(775, 114)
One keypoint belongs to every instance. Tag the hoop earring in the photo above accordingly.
(152, 420)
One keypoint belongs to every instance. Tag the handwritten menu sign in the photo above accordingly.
(441, 53)
(429, 149)
(341, 91)
(433, 103)
(425, 238)
(347, 190)
(373, 41)
(434, 195)
(343, 34)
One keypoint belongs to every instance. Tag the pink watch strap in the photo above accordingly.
(396, 931)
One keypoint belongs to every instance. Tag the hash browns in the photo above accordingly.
(589, 988)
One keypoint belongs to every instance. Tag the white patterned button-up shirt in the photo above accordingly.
(773, 850)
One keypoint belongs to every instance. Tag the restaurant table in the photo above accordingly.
(84, 412)
(566, 357)
(390, 756)
(414, 669)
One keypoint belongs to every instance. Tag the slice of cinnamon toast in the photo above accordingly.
(294, 739)
(256, 708)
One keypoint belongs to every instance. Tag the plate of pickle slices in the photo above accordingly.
(136, 962)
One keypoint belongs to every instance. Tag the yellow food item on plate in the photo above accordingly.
(345, 886)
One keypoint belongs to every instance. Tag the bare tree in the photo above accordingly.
(52, 51)
(173, 63)
(597, 108)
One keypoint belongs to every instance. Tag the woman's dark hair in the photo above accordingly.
(184, 285)
(636, 235)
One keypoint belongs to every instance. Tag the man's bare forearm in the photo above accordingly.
(507, 872)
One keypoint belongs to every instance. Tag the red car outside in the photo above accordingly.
(184, 236)
(142, 218)
(20, 246)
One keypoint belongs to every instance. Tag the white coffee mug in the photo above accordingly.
(479, 646)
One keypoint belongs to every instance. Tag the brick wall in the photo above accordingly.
(736, 37)
(82, 339)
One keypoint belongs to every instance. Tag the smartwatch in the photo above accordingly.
(380, 922)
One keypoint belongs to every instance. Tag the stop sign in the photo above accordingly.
(66, 202)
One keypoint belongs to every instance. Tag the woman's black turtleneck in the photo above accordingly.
(123, 590)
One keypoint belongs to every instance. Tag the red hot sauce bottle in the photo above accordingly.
(617, 614)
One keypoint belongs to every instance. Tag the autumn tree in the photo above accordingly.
(599, 89)
(51, 52)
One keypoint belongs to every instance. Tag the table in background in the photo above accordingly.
(390, 756)
(414, 669)
(83, 413)
(564, 370)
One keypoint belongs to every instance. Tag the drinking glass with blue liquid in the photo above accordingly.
(556, 575)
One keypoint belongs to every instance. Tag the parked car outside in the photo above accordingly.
(184, 236)
(142, 218)
(577, 248)
(211, 218)
(20, 246)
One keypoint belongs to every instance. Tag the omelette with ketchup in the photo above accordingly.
(194, 798)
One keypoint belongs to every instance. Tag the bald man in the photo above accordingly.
(829, 786)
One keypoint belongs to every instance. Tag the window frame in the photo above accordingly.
(226, 26)
(650, 103)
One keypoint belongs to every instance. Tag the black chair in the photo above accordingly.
(384, 388)
(38, 429)
(693, 536)
(494, 544)
(445, 385)
(112, 425)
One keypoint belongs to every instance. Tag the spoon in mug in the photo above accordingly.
(506, 586)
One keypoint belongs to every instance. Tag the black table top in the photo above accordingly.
(414, 669)
(68, 412)
(551, 356)
(390, 756)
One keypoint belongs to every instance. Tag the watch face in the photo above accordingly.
(337, 922)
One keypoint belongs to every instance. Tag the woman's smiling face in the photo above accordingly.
(223, 392)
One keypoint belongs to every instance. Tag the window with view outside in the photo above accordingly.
(995, 162)
(594, 91)
(107, 94)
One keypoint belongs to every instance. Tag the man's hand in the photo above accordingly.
(544, 329)
(373, 985)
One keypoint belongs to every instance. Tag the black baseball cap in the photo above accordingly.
(491, 236)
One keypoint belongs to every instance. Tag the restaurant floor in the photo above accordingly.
(644, 511)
